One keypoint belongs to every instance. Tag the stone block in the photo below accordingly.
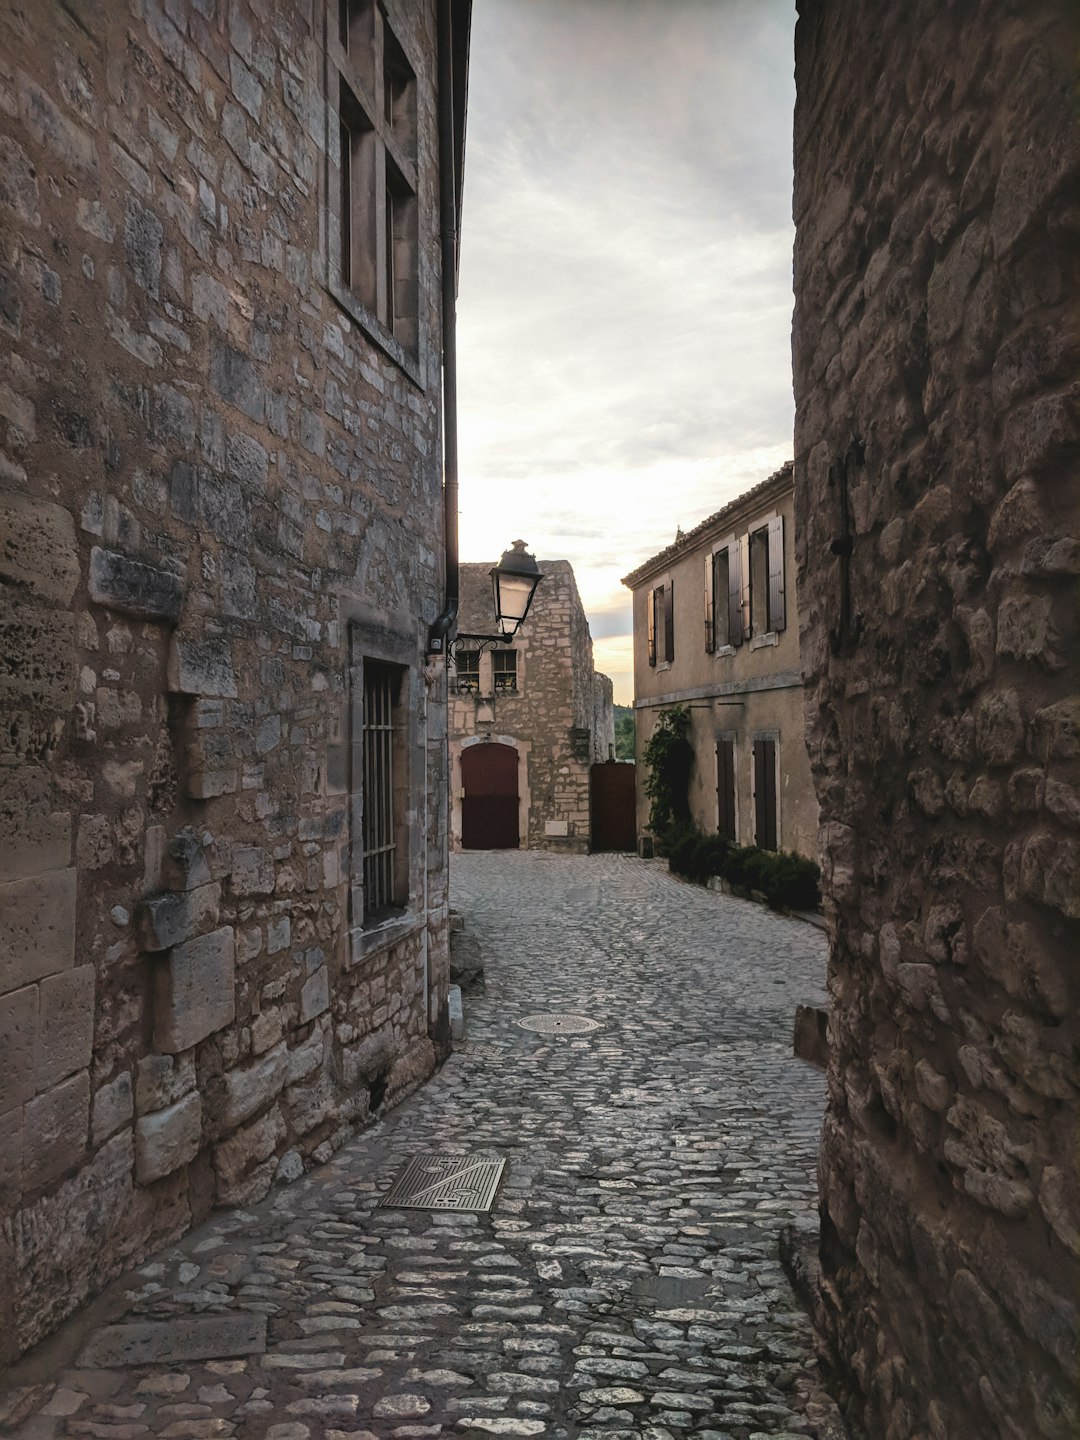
(164, 920)
(201, 665)
(38, 547)
(315, 995)
(234, 376)
(250, 1089)
(11, 1150)
(18, 1047)
(39, 657)
(812, 1035)
(194, 991)
(249, 1146)
(174, 1342)
(305, 1058)
(168, 1139)
(56, 1131)
(66, 1027)
(371, 1057)
(186, 865)
(252, 871)
(133, 588)
(163, 1079)
(37, 927)
(34, 835)
(112, 1109)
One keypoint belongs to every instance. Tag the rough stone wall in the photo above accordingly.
(603, 719)
(937, 203)
(209, 479)
(552, 719)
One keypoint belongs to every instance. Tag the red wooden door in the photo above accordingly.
(489, 797)
(614, 822)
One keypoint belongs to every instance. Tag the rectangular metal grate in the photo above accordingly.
(440, 1182)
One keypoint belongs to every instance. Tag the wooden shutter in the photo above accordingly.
(735, 589)
(725, 789)
(650, 606)
(765, 794)
(777, 617)
(669, 621)
(710, 635)
(747, 581)
(721, 626)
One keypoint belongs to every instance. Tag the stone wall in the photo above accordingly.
(214, 485)
(938, 412)
(559, 719)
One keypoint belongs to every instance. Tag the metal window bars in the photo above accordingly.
(380, 692)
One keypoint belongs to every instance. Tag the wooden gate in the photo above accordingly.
(489, 797)
(613, 813)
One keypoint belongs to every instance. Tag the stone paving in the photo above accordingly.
(626, 1284)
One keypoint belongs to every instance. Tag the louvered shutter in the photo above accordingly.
(710, 637)
(650, 606)
(735, 590)
(747, 582)
(765, 794)
(725, 788)
(669, 621)
(777, 613)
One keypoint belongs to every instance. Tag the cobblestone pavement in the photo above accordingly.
(626, 1283)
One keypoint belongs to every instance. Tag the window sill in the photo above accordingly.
(758, 642)
(723, 651)
(363, 944)
(377, 333)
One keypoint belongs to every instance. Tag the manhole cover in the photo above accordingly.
(558, 1024)
(440, 1182)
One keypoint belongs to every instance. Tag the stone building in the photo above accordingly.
(937, 383)
(223, 908)
(527, 720)
(716, 629)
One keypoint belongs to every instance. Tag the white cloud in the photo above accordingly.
(625, 299)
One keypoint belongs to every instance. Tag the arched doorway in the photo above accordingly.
(489, 799)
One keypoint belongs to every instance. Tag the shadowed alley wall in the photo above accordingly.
(935, 356)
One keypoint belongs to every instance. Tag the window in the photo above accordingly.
(503, 671)
(661, 623)
(383, 792)
(466, 678)
(717, 619)
(765, 816)
(725, 790)
(766, 588)
(377, 215)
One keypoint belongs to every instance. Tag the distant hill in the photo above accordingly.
(624, 732)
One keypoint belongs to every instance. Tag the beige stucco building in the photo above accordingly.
(527, 720)
(716, 629)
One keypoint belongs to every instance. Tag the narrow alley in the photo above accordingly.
(626, 1282)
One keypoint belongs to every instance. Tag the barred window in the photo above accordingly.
(381, 743)
(504, 670)
(466, 678)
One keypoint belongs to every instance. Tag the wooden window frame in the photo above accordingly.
(497, 674)
(373, 213)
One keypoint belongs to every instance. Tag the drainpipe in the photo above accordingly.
(443, 627)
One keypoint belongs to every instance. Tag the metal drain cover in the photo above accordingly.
(445, 1182)
(558, 1024)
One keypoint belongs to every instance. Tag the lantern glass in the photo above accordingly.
(513, 582)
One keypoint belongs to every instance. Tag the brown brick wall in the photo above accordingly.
(936, 348)
(210, 478)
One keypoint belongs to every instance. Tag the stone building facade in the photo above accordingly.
(221, 529)
(937, 356)
(716, 629)
(540, 711)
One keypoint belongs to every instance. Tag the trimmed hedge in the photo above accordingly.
(786, 879)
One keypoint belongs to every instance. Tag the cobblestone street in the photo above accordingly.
(627, 1282)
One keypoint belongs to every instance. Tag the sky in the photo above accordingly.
(624, 316)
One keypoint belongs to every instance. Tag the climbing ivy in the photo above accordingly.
(668, 758)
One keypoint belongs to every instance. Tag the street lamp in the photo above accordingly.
(513, 585)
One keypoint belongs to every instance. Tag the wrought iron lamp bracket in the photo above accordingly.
(478, 643)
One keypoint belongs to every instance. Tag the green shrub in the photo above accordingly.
(669, 758)
(786, 879)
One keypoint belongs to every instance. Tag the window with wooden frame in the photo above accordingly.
(504, 671)
(466, 676)
(766, 586)
(717, 619)
(661, 623)
(374, 89)
(384, 797)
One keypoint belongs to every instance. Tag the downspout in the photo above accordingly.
(443, 627)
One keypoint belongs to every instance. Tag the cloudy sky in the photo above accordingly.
(625, 308)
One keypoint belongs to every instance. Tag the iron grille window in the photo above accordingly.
(504, 670)
(382, 684)
(467, 671)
